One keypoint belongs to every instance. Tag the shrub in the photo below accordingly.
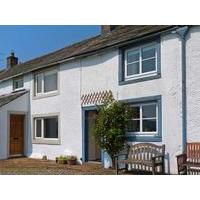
(110, 126)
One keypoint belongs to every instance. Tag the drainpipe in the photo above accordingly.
(182, 33)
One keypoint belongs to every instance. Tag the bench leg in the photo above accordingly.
(163, 168)
(153, 170)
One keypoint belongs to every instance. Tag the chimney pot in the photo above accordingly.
(107, 28)
(12, 60)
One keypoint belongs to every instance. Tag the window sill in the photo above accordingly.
(18, 89)
(46, 141)
(46, 95)
(143, 138)
(140, 79)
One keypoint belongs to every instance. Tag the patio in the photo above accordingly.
(27, 166)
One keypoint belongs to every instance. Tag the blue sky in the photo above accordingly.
(32, 41)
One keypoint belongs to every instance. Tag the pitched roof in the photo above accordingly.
(89, 46)
(7, 98)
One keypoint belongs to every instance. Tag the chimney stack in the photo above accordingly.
(12, 60)
(107, 28)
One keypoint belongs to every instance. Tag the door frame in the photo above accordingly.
(85, 134)
(8, 131)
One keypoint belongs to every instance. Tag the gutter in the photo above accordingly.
(89, 53)
(182, 33)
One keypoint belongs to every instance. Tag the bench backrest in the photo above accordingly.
(145, 151)
(193, 152)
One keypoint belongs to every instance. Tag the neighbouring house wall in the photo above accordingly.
(67, 104)
(21, 106)
(193, 84)
(6, 87)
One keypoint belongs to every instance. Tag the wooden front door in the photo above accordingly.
(16, 135)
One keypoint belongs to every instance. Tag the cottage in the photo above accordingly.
(48, 104)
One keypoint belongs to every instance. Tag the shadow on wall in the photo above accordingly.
(167, 163)
(29, 148)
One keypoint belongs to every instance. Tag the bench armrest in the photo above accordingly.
(158, 156)
(181, 159)
(122, 154)
(118, 155)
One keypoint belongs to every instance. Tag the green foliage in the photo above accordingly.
(110, 126)
(61, 159)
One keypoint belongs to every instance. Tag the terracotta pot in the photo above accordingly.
(71, 162)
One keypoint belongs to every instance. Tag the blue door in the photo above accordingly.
(92, 150)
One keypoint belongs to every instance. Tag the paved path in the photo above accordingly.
(27, 166)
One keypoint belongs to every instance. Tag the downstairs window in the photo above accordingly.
(46, 127)
(146, 120)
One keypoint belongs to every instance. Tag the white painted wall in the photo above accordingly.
(67, 104)
(101, 73)
(193, 84)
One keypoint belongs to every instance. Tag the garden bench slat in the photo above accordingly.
(186, 162)
(143, 156)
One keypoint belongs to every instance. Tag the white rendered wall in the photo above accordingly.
(193, 84)
(67, 104)
(101, 73)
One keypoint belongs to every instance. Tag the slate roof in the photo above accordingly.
(7, 98)
(120, 35)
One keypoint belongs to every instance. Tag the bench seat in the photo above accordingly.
(189, 162)
(142, 154)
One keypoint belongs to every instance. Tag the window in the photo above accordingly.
(141, 61)
(18, 83)
(46, 127)
(46, 82)
(144, 119)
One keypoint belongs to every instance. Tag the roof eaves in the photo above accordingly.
(88, 53)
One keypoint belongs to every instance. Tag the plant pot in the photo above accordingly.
(61, 161)
(71, 162)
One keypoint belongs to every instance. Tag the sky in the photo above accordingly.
(29, 42)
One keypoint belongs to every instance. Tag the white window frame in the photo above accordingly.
(14, 80)
(42, 127)
(42, 74)
(35, 127)
(145, 133)
(145, 74)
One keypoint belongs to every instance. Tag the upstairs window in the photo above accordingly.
(18, 83)
(46, 82)
(141, 61)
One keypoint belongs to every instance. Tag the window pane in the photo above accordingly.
(148, 65)
(148, 52)
(133, 126)
(149, 111)
(39, 83)
(51, 127)
(50, 82)
(133, 69)
(132, 56)
(149, 125)
(38, 127)
(135, 112)
(18, 83)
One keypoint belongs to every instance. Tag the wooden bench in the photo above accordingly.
(142, 157)
(189, 162)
